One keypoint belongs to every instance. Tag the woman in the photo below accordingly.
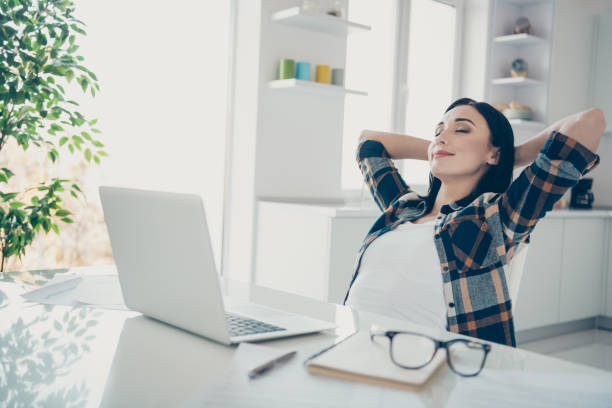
(476, 214)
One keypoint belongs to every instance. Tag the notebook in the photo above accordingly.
(359, 359)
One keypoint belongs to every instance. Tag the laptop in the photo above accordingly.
(166, 268)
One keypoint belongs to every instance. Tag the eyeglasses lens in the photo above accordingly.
(466, 357)
(410, 350)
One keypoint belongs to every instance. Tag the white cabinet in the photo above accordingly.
(581, 273)
(537, 302)
(565, 271)
(309, 250)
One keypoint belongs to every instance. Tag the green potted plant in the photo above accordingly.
(37, 60)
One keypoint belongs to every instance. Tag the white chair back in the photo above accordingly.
(515, 272)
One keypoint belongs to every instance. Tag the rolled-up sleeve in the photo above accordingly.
(558, 167)
(380, 174)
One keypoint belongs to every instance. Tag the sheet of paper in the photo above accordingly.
(100, 290)
(55, 292)
(287, 385)
(500, 388)
(95, 290)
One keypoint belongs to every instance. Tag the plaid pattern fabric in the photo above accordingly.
(476, 236)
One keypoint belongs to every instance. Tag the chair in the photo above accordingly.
(515, 271)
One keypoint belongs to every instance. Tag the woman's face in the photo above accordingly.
(462, 145)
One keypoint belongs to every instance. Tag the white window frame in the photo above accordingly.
(400, 77)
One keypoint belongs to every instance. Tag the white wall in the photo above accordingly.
(475, 57)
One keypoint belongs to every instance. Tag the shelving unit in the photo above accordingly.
(533, 47)
(519, 39)
(298, 85)
(323, 23)
(516, 82)
(527, 124)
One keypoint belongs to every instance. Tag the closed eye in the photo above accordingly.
(458, 130)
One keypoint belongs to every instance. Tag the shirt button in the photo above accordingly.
(446, 268)
(451, 304)
(436, 236)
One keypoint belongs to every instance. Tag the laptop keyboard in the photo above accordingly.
(241, 326)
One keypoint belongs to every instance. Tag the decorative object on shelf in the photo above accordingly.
(323, 74)
(337, 10)
(522, 26)
(311, 6)
(302, 71)
(516, 111)
(519, 68)
(286, 68)
(337, 76)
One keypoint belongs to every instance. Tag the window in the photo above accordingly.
(162, 111)
(407, 63)
(431, 75)
(370, 66)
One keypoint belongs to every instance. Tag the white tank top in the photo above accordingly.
(400, 277)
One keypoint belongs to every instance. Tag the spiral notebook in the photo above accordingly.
(359, 359)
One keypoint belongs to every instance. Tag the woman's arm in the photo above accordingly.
(585, 127)
(567, 155)
(399, 146)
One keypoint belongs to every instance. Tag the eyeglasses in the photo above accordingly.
(415, 350)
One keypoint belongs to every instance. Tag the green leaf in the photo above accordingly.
(16, 204)
(67, 220)
(52, 156)
(62, 213)
(63, 140)
(71, 148)
(87, 154)
(55, 228)
(96, 159)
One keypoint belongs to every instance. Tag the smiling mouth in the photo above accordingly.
(439, 155)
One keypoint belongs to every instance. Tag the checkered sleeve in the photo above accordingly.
(380, 174)
(557, 168)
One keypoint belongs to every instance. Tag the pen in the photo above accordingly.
(318, 353)
(260, 369)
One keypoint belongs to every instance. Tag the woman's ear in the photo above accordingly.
(494, 157)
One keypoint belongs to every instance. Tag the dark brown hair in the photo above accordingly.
(498, 178)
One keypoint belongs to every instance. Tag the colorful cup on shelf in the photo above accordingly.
(302, 71)
(323, 74)
(286, 68)
(337, 76)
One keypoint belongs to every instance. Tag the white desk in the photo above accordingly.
(65, 356)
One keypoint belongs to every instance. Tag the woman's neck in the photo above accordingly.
(452, 191)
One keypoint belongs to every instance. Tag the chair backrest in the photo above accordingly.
(515, 271)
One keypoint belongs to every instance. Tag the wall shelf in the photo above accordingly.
(323, 23)
(298, 85)
(526, 124)
(519, 39)
(517, 81)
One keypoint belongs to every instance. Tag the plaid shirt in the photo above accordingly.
(476, 236)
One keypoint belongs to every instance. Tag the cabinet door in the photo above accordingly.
(292, 250)
(347, 235)
(537, 303)
(608, 302)
(581, 276)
